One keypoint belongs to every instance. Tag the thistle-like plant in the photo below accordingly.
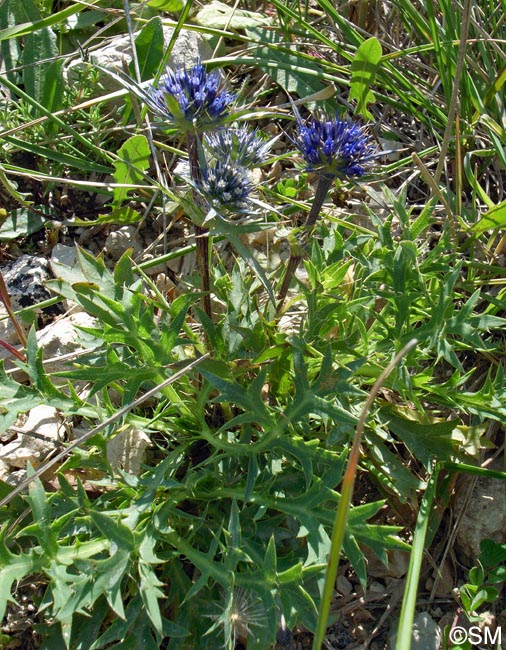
(332, 148)
(192, 99)
(241, 147)
(225, 188)
(225, 180)
(335, 148)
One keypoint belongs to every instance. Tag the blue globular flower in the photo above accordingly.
(225, 187)
(189, 97)
(240, 146)
(335, 147)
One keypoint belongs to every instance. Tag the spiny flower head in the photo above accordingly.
(226, 187)
(335, 147)
(190, 97)
(240, 146)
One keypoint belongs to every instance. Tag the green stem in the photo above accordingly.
(4, 297)
(324, 185)
(345, 501)
(202, 240)
(405, 629)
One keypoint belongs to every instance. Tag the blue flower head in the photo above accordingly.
(226, 187)
(240, 146)
(189, 97)
(335, 147)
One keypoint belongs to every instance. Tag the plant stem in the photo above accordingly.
(4, 297)
(324, 184)
(405, 629)
(345, 500)
(201, 233)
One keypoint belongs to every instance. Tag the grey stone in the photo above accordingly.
(24, 279)
(425, 635)
(343, 586)
(118, 241)
(188, 47)
(484, 518)
(36, 438)
(127, 450)
(62, 339)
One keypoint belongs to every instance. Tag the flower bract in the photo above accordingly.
(190, 97)
(240, 146)
(225, 186)
(335, 147)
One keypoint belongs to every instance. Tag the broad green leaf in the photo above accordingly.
(133, 161)
(30, 20)
(220, 16)
(425, 441)
(294, 73)
(363, 72)
(477, 575)
(22, 223)
(38, 69)
(53, 88)
(14, 14)
(149, 46)
(492, 554)
(493, 219)
(170, 6)
(83, 20)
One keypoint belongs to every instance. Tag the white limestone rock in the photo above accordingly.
(62, 339)
(120, 240)
(38, 435)
(127, 450)
(188, 47)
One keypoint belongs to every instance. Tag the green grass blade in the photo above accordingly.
(405, 629)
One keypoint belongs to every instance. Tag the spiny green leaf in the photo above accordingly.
(14, 568)
(151, 594)
(114, 531)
